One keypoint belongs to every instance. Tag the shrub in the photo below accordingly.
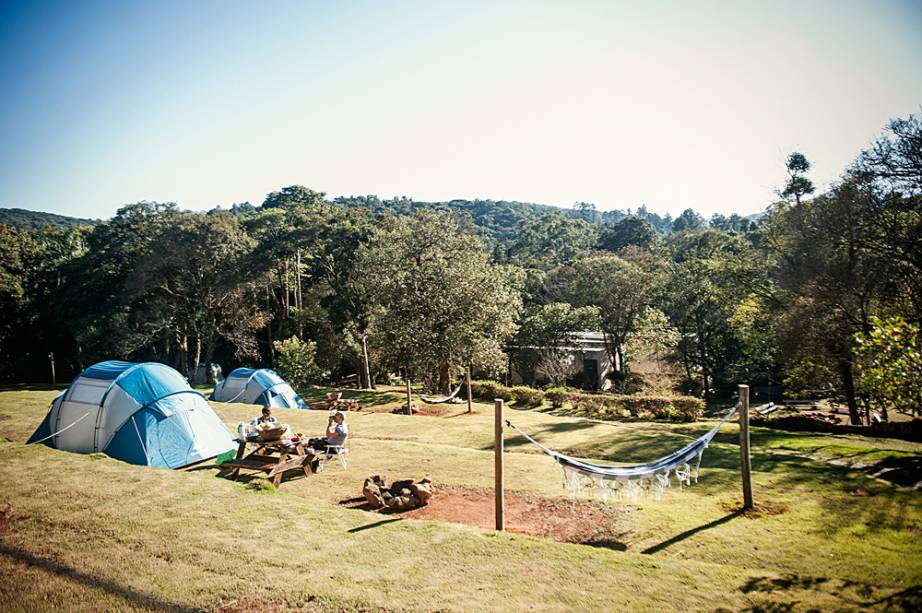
(490, 390)
(611, 406)
(557, 396)
(295, 361)
(528, 396)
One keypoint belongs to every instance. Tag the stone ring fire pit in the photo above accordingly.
(402, 495)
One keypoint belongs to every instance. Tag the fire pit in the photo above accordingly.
(403, 495)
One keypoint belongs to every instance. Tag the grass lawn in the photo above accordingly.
(90, 533)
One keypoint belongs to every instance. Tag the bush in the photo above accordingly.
(527, 395)
(294, 360)
(611, 406)
(557, 396)
(490, 390)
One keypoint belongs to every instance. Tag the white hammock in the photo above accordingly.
(449, 398)
(633, 480)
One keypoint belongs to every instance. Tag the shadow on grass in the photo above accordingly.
(33, 387)
(70, 573)
(858, 594)
(689, 533)
(373, 525)
(250, 478)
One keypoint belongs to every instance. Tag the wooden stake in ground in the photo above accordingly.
(469, 389)
(745, 460)
(498, 467)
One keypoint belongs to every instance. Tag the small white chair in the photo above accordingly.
(339, 452)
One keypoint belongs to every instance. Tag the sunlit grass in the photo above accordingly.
(828, 537)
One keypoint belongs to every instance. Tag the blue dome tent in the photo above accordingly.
(257, 386)
(140, 413)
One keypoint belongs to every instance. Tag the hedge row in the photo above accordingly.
(601, 406)
(520, 394)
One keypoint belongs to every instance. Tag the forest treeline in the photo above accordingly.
(823, 291)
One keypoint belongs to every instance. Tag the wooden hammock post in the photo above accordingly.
(468, 389)
(409, 395)
(498, 468)
(745, 459)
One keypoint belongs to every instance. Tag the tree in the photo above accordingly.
(688, 221)
(438, 302)
(621, 287)
(889, 359)
(294, 197)
(544, 331)
(628, 231)
(296, 361)
(195, 287)
(92, 300)
(896, 157)
(798, 185)
(550, 240)
(830, 282)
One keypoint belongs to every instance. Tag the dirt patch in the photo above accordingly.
(433, 410)
(578, 521)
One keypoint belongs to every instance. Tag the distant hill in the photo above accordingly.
(34, 220)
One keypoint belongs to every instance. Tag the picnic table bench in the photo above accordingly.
(272, 457)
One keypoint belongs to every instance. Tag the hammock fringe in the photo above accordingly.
(635, 481)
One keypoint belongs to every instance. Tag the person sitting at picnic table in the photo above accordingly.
(265, 420)
(335, 436)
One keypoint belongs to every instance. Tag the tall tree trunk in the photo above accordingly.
(298, 302)
(183, 347)
(196, 356)
(368, 379)
(287, 295)
(848, 382)
(298, 299)
(269, 324)
(444, 378)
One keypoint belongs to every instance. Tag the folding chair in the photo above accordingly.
(339, 452)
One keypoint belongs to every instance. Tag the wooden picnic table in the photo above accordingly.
(271, 457)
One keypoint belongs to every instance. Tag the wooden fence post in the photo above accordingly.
(409, 396)
(468, 389)
(498, 467)
(745, 459)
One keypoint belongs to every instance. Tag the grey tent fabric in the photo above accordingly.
(637, 479)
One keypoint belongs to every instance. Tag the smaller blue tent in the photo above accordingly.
(139, 413)
(257, 386)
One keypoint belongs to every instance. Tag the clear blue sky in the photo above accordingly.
(672, 104)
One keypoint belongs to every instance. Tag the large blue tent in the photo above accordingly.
(140, 413)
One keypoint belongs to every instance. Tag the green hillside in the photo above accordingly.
(33, 220)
